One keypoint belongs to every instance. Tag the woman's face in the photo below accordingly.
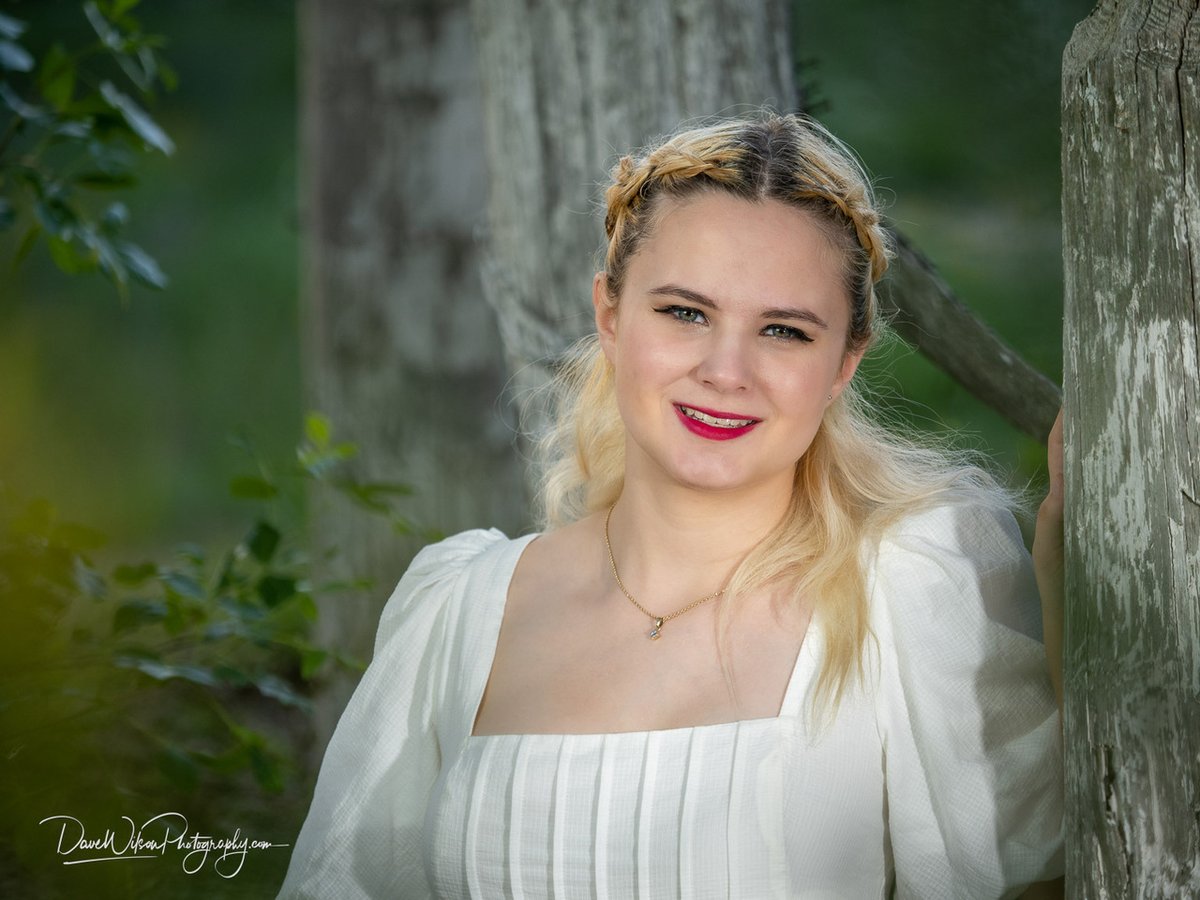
(727, 340)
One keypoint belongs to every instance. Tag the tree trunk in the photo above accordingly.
(401, 348)
(1131, 217)
(566, 85)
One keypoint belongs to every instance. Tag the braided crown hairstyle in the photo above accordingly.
(857, 478)
(792, 159)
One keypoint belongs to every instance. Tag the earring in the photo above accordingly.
(831, 396)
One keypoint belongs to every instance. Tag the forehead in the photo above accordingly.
(752, 251)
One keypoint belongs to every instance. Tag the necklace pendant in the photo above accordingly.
(656, 631)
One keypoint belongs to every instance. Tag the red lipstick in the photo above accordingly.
(714, 432)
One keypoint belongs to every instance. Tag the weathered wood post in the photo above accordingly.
(1131, 218)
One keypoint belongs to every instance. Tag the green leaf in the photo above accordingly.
(75, 130)
(28, 242)
(317, 429)
(68, 258)
(183, 585)
(14, 102)
(168, 76)
(88, 581)
(242, 609)
(265, 767)
(118, 8)
(56, 77)
(252, 487)
(228, 628)
(192, 553)
(307, 606)
(141, 265)
(263, 541)
(274, 589)
(10, 27)
(115, 217)
(161, 671)
(310, 661)
(373, 495)
(104, 181)
(176, 621)
(8, 214)
(277, 689)
(109, 36)
(110, 264)
(136, 613)
(137, 119)
(111, 158)
(14, 57)
(56, 215)
(231, 676)
(133, 575)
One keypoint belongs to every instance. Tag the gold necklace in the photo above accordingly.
(656, 631)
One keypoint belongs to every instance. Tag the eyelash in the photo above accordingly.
(691, 316)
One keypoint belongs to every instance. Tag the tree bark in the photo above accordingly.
(1131, 217)
(400, 345)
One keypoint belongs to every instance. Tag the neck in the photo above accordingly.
(678, 544)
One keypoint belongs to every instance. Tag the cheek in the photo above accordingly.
(644, 361)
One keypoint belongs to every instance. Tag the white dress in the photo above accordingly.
(939, 778)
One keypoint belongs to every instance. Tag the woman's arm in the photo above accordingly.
(1048, 563)
(1048, 569)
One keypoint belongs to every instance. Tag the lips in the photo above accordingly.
(713, 424)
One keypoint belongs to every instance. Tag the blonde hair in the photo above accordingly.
(857, 478)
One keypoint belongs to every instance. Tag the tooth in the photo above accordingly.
(713, 420)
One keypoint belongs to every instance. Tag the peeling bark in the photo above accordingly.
(1131, 218)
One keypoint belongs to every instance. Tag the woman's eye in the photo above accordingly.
(787, 333)
(683, 314)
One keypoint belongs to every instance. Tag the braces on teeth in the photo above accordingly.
(712, 420)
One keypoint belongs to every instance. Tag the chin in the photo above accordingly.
(712, 480)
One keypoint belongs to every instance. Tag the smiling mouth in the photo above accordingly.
(715, 421)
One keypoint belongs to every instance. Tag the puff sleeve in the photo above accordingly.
(972, 745)
(363, 833)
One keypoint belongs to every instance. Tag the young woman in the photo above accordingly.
(764, 648)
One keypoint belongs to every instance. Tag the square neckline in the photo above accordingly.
(800, 678)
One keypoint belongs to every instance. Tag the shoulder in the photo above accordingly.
(955, 560)
(432, 579)
(987, 535)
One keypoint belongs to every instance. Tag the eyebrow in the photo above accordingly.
(777, 312)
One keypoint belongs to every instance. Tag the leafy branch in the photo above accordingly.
(164, 658)
(76, 126)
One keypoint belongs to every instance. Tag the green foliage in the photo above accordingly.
(73, 134)
(160, 680)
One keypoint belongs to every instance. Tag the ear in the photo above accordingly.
(849, 366)
(606, 314)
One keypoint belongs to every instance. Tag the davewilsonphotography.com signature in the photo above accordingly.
(152, 839)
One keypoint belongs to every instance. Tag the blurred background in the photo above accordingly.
(131, 415)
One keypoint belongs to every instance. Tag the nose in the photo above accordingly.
(726, 364)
